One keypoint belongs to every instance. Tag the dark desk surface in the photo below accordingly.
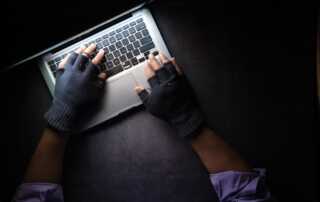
(254, 76)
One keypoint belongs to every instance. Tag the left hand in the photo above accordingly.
(78, 83)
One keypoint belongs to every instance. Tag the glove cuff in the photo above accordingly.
(60, 117)
(187, 126)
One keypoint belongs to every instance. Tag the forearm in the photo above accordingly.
(47, 161)
(216, 154)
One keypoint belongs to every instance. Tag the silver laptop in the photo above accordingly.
(127, 44)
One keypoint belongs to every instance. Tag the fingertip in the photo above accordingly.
(102, 76)
(64, 61)
(138, 88)
(163, 57)
(97, 59)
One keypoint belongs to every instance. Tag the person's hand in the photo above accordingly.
(78, 84)
(171, 98)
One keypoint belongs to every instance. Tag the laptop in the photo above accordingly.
(127, 39)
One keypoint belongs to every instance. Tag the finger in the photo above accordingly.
(163, 58)
(89, 50)
(102, 76)
(138, 88)
(80, 50)
(151, 76)
(154, 63)
(63, 62)
(98, 58)
(72, 57)
(148, 71)
(80, 62)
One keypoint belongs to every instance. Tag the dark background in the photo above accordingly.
(251, 65)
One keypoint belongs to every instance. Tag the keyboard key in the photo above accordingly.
(105, 42)
(117, 53)
(51, 63)
(126, 65)
(115, 70)
(132, 24)
(118, 44)
(119, 37)
(106, 50)
(139, 20)
(91, 42)
(112, 48)
(145, 32)
(109, 64)
(130, 47)
(123, 50)
(136, 44)
(145, 40)
(134, 61)
(119, 30)
(105, 36)
(142, 59)
(132, 38)
(132, 30)
(123, 58)
(155, 53)
(98, 40)
(129, 55)
(125, 42)
(112, 33)
(125, 33)
(146, 47)
(146, 53)
(53, 67)
(126, 26)
(136, 52)
(57, 59)
(138, 35)
(110, 56)
(112, 40)
(140, 26)
(99, 46)
(116, 61)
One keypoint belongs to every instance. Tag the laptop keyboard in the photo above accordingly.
(124, 48)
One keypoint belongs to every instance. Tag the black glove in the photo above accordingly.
(77, 86)
(171, 99)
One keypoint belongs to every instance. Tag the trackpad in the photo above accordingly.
(119, 96)
(120, 93)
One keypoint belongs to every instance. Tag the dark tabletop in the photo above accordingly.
(254, 76)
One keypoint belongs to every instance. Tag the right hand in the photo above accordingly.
(171, 98)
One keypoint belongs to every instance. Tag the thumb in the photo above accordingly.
(142, 93)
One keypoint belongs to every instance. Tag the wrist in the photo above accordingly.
(189, 124)
(61, 117)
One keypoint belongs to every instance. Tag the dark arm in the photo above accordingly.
(77, 76)
(215, 153)
(46, 162)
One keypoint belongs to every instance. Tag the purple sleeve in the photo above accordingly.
(235, 186)
(34, 192)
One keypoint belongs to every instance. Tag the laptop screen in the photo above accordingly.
(33, 26)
